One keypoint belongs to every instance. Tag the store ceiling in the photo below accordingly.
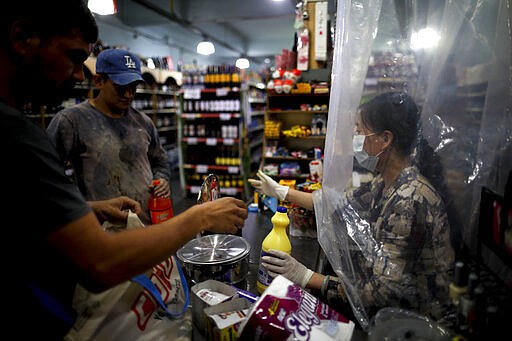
(255, 28)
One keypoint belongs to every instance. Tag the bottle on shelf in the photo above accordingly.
(277, 239)
(467, 300)
(460, 282)
(160, 208)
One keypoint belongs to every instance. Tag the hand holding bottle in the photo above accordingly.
(281, 263)
(160, 188)
(268, 186)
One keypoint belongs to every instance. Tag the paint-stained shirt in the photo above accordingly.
(110, 156)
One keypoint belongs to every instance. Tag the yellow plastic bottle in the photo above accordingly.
(277, 239)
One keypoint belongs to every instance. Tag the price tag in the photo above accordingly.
(189, 116)
(229, 142)
(224, 116)
(192, 140)
(221, 92)
(211, 141)
(192, 94)
(233, 170)
(202, 169)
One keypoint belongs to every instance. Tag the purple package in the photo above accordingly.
(285, 311)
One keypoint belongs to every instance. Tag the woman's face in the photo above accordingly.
(373, 141)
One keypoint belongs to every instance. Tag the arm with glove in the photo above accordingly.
(280, 263)
(270, 187)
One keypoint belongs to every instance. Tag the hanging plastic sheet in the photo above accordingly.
(453, 58)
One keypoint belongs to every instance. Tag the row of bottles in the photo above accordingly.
(212, 155)
(164, 122)
(148, 103)
(205, 128)
(211, 76)
(477, 313)
(225, 180)
(216, 105)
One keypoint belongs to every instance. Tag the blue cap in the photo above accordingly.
(121, 66)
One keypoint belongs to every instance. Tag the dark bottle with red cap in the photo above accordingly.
(160, 208)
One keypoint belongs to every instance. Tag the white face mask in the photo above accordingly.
(367, 161)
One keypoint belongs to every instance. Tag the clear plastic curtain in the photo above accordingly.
(462, 84)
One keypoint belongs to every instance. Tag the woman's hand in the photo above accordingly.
(280, 263)
(268, 186)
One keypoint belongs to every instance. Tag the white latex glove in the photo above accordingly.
(268, 186)
(281, 263)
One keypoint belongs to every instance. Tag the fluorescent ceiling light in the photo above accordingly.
(242, 63)
(103, 7)
(205, 48)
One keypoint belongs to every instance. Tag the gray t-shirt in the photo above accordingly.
(110, 156)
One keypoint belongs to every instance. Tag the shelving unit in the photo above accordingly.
(286, 111)
(256, 96)
(43, 113)
(210, 141)
(157, 99)
(389, 72)
(160, 103)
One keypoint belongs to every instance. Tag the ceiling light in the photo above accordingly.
(103, 7)
(424, 39)
(242, 63)
(205, 48)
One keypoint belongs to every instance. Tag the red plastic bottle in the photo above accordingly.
(160, 208)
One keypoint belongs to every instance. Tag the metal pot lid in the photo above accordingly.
(214, 249)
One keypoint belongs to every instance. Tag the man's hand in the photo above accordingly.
(268, 186)
(223, 215)
(280, 263)
(162, 189)
(115, 210)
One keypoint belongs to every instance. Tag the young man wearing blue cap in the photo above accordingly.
(112, 148)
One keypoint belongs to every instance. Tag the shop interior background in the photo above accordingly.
(453, 57)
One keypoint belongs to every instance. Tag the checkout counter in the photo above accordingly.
(305, 250)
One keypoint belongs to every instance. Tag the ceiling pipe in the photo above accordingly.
(186, 24)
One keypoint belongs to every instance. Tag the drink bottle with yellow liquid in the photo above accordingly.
(277, 239)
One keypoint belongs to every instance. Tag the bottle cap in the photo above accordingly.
(282, 209)
(156, 182)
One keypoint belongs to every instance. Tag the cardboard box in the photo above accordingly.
(198, 304)
(224, 319)
(317, 39)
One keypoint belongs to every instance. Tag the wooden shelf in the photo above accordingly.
(286, 108)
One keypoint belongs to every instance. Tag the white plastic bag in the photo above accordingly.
(129, 311)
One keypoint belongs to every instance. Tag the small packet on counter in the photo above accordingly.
(285, 311)
(212, 297)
